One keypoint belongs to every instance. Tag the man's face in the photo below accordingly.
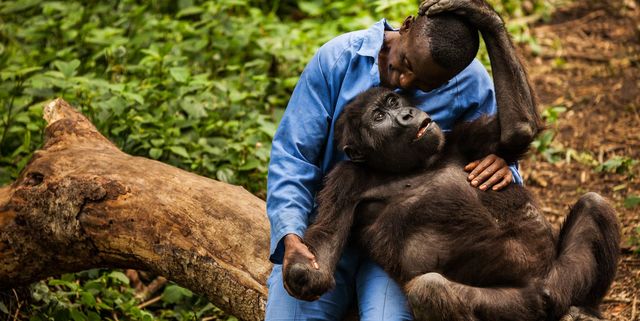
(409, 64)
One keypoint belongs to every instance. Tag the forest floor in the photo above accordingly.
(590, 63)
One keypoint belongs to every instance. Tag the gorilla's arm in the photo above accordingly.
(328, 235)
(479, 138)
(518, 120)
(337, 200)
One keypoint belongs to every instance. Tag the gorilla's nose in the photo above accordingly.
(405, 116)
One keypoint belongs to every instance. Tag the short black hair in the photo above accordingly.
(453, 42)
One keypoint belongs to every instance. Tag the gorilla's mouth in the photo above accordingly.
(423, 128)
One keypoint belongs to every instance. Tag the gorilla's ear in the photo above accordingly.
(354, 154)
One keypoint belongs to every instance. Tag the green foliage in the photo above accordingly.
(552, 151)
(632, 201)
(618, 164)
(106, 295)
(196, 84)
(544, 144)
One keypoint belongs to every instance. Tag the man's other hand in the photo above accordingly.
(490, 172)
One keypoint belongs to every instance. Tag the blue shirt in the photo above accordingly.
(303, 149)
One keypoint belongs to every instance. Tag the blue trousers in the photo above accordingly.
(378, 297)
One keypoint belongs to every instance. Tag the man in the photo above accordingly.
(432, 60)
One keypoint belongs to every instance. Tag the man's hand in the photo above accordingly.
(294, 248)
(303, 286)
(489, 171)
(477, 12)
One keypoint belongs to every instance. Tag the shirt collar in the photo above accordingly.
(372, 44)
(374, 38)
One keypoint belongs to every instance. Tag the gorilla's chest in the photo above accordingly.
(427, 194)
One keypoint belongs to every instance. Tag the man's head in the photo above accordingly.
(428, 52)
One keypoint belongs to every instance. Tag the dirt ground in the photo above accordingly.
(590, 63)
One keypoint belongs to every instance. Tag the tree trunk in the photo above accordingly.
(82, 203)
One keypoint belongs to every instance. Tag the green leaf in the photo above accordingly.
(104, 306)
(632, 201)
(225, 174)
(173, 294)
(180, 74)
(3, 308)
(115, 104)
(119, 276)
(25, 71)
(249, 165)
(155, 153)
(190, 11)
(93, 316)
(77, 315)
(87, 299)
(133, 96)
(193, 109)
(68, 284)
(179, 150)
(312, 8)
(157, 142)
(15, 6)
(68, 68)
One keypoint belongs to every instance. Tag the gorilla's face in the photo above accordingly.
(389, 134)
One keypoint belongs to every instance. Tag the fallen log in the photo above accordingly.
(82, 203)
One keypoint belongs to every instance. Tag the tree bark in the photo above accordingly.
(82, 203)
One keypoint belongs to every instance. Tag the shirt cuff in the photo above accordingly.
(516, 174)
(277, 243)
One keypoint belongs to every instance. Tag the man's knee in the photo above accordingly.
(379, 297)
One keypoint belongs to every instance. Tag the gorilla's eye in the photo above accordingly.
(378, 116)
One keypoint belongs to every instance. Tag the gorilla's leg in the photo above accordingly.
(433, 298)
(588, 250)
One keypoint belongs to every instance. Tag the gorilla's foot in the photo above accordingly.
(307, 283)
(432, 298)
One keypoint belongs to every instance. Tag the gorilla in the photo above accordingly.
(460, 253)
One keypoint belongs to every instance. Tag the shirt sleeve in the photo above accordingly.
(294, 172)
(476, 96)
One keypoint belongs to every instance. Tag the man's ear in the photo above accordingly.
(354, 154)
(406, 25)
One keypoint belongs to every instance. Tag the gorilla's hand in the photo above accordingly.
(477, 12)
(303, 278)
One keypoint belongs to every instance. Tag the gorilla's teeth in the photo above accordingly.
(423, 128)
(421, 132)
